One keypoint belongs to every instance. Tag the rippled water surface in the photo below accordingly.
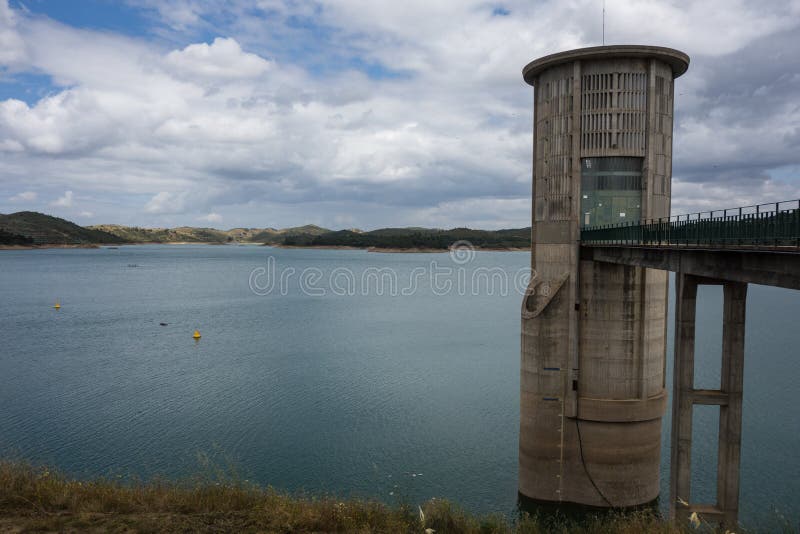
(401, 396)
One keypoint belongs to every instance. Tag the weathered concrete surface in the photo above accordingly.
(728, 398)
(769, 267)
(593, 334)
(682, 386)
(678, 61)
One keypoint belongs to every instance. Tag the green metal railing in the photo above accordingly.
(763, 226)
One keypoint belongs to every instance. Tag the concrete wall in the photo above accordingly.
(593, 334)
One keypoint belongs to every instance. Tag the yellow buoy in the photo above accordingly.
(196, 334)
(57, 305)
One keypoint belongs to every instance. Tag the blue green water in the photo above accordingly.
(397, 393)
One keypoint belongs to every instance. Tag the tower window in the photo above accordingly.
(611, 190)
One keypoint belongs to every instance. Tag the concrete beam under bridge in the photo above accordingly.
(755, 266)
(728, 397)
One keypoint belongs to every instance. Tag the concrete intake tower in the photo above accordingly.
(593, 334)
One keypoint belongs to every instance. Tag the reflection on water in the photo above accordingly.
(389, 396)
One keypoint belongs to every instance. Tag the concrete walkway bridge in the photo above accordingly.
(732, 248)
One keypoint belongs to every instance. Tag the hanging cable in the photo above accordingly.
(586, 470)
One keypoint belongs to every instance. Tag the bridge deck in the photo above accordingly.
(754, 244)
(775, 267)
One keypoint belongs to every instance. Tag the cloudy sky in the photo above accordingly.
(360, 113)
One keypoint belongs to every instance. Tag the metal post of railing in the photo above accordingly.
(739, 227)
(709, 233)
(665, 226)
(797, 225)
(775, 223)
(758, 225)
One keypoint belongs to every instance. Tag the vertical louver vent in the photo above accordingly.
(613, 107)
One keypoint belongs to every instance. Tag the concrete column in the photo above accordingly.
(682, 387)
(591, 387)
(649, 170)
(730, 414)
(572, 369)
(728, 398)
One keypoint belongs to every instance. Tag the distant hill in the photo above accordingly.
(183, 234)
(408, 238)
(273, 237)
(28, 227)
(186, 234)
(7, 238)
(45, 229)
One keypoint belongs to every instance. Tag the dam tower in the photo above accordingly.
(592, 386)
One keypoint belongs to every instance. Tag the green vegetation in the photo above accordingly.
(185, 234)
(272, 236)
(36, 499)
(419, 238)
(7, 238)
(27, 227)
(315, 236)
(135, 234)
(43, 228)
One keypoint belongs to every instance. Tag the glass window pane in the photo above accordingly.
(611, 190)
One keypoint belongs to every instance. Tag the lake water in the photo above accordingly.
(341, 378)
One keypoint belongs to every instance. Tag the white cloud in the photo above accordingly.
(168, 131)
(25, 196)
(11, 145)
(86, 214)
(693, 197)
(166, 202)
(64, 201)
(212, 218)
(223, 58)
(177, 14)
(343, 220)
(12, 46)
(488, 213)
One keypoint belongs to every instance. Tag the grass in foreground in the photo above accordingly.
(37, 499)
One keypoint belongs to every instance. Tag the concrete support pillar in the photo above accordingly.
(728, 398)
(682, 387)
(730, 413)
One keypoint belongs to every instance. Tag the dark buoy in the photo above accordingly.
(163, 324)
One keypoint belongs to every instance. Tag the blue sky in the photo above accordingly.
(104, 15)
(359, 113)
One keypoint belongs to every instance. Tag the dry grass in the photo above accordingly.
(36, 499)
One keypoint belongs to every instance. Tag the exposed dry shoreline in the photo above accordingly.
(320, 247)
(103, 245)
(368, 249)
(413, 250)
(36, 247)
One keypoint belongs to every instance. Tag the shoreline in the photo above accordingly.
(387, 250)
(379, 250)
(109, 245)
(51, 245)
(315, 247)
(39, 499)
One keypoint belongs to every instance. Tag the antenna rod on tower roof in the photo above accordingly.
(604, 22)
